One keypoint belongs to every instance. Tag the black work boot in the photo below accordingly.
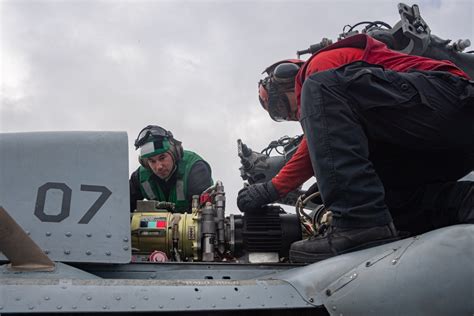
(338, 240)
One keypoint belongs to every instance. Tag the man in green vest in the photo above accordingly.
(167, 172)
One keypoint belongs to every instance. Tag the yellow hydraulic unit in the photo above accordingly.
(172, 233)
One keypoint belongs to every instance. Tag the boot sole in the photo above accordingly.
(308, 257)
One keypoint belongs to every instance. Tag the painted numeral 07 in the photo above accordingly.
(66, 201)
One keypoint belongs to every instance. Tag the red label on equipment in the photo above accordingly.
(205, 197)
(161, 224)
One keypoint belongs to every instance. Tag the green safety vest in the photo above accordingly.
(152, 191)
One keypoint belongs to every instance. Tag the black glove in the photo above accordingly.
(256, 195)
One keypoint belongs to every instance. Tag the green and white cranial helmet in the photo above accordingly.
(154, 140)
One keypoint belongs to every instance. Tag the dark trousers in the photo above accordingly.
(390, 146)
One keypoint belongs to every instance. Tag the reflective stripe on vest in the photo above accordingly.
(148, 190)
(180, 190)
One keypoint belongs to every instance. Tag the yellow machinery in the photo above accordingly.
(206, 234)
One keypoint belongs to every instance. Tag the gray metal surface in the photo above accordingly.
(69, 192)
(73, 291)
(185, 270)
(61, 271)
(431, 274)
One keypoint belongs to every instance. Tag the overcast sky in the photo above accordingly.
(189, 66)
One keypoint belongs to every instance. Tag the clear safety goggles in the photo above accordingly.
(149, 133)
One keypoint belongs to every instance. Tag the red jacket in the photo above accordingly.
(358, 47)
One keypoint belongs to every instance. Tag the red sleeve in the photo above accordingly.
(296, 171)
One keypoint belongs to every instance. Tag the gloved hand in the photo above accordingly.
(256, 195)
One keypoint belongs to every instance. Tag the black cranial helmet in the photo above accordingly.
(271, 90)
(154, 140)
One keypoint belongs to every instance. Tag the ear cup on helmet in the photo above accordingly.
(270, 69)
(143, 163)
(286, 73)
(176, 149)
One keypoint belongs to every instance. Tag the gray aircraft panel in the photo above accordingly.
(73, 291)
(430, 274)
(71, 201)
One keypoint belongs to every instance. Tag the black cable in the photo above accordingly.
(370, 24)
(282, 142)
(344, 28)
(275, 144)
(376, 23)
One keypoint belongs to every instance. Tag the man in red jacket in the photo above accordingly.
(383, 131)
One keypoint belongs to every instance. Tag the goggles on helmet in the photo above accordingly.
(150, 133)
(272, 90)
(153, 140)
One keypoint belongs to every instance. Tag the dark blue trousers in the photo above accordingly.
(390, 146)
